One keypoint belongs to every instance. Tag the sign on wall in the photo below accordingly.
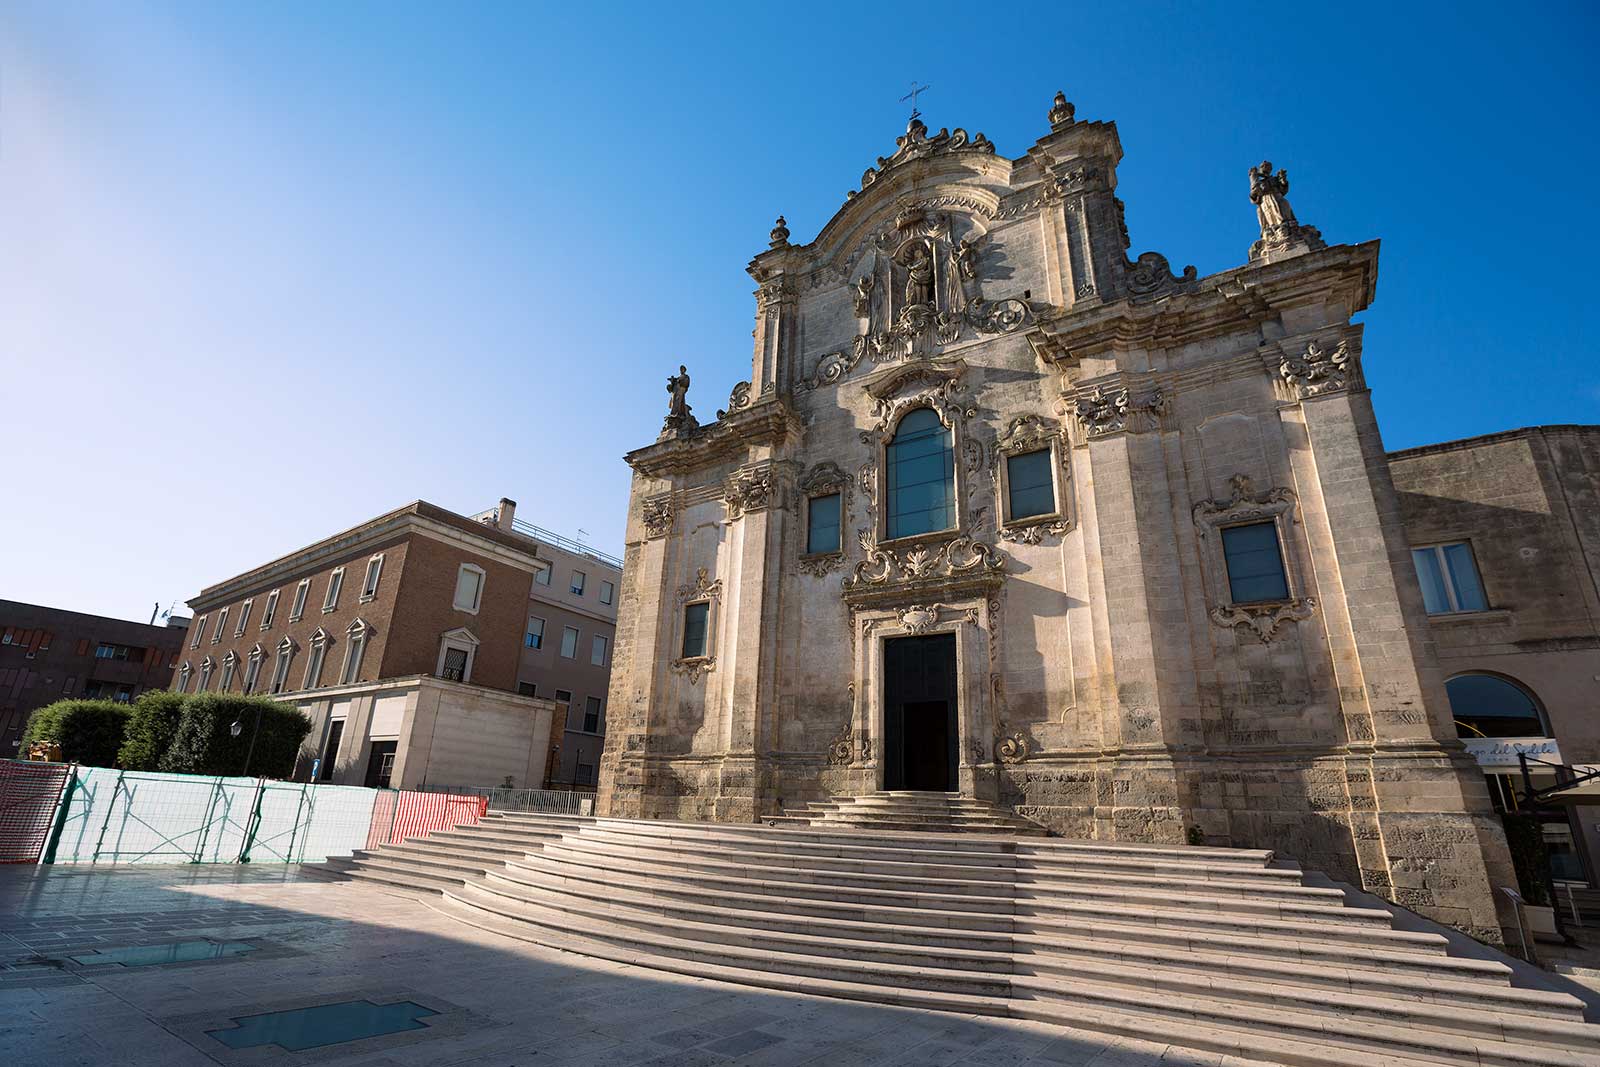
(1500, 753)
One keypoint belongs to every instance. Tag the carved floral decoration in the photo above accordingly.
(1009, 747)
(748, 490)
(915, 143)
(1245, 504)
(961, 555)
(1102, 412)
(1264, 620)
(1319, 371)
(656, 514)
(693, 668)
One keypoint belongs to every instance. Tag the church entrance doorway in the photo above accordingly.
(919, 713)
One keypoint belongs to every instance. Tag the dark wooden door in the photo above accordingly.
(919, 712)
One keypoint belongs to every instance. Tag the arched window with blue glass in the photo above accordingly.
(920, 476)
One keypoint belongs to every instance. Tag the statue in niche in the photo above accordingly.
(967, 258)
(863, 296)
(917, 259)
(1269, 192)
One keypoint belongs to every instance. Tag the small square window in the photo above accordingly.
(542, 576)
(1449, 577)
(1255, 563)
(695, 618)
(577, 583)
(822, 523)
(569, 642)
(527, 689)
(608, 592)
(564, 696)
(1030, 486)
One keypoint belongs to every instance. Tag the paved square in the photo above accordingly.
(497, 1001)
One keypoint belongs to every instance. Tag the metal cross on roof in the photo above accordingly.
(912, 96)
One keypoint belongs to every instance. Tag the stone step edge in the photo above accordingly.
(1061, 947)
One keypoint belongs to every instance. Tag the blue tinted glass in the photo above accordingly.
(1434, 599)
(1464, 577)
(694, 629)
(822, 534)
(921, 476)
(1255, 566)
(1031, 490)
(1486, 706)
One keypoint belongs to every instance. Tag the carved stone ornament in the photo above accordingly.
(821, 564)
(693, 668)
(866, 749)
(656, 514)
(1245, 504)
(1061, 112)
(1035, 533)
(1264, 620)
(748, 490)
(944, 398)
(779, 237)
(842, 749)
(916, 144)
(1010, 747)
(975, 751)
(772, 293)
(1151, 273)
(958, 556)
(1101, 412)
(737, 400)
(702, 588)
(1319, 371)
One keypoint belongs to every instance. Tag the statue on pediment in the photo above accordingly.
(1269, 192)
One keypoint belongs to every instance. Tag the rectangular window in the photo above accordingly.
(569, 642)
(469, 588)
(534, 638)
(369, 584)
(1449, 578)
(330, 600)
(314, 665)
(608, 592)
(280, 673)
(597, 654)
(455, 664)
(1255, 563)
(244, 618)
(585, 773)
(270, 611)
(227, 675)
(542, 576)
(222, 622)
(199, 630)
(298, 608)
(252, 673)
(353, 652)
(695, 617)
(527, 689)
(822, 524)
(1030, 488)
(591, 715)
(564, 698)
(577, 582)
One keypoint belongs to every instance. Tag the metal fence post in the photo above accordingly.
(111, 806)
(61, 815)
(252, 822)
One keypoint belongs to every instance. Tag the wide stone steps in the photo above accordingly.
(1224, 950)
(910, 812)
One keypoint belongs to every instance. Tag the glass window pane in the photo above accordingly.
(1030, 489)
(1464, 578)
(1484, 705)
(694, 628)
(1434, 598)
(822, 534)
(569, 642)
(920, 476)
(1255, 566)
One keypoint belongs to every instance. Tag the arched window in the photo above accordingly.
(1486, 705)
(920, 477)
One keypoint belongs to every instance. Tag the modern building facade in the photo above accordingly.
(1505, 534)
(1007, 512)
(49, 654)
(403, 639)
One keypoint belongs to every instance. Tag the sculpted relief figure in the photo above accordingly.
(678, 387)
(918, 262)
(1269, 192)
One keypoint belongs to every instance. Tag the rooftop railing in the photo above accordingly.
(551, 537)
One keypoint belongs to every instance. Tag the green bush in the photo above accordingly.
(204, 743)
(1525, 838)
(151, 728)
(88, 731)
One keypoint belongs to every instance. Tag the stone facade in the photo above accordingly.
(1107, 683)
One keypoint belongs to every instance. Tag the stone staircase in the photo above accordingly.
(1224, 950)
(911, 812)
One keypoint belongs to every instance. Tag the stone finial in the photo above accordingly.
(780, 234)
(1061, 112)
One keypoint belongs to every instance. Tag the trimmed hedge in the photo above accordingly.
(203, 742)
(151, 728)
(88, 731)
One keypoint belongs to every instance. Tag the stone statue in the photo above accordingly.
(863, 296)
(919, 275)
(1269, 192)
(678, 386)
(967, 258)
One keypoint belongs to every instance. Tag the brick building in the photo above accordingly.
(47, 654)
(403, 639)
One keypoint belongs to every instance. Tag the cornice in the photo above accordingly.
(768, 422)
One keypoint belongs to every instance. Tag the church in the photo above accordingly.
(1007, 512)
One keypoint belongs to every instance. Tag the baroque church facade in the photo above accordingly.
(1005, 511)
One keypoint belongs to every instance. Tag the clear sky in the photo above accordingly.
(270, 269)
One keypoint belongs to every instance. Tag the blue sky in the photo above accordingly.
(267, 270)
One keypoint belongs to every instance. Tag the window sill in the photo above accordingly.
(1487, 615)
(367, 599)
(912, 539)
(837, 553)
(330, 611)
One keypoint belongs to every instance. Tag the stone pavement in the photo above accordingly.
(493, 1000)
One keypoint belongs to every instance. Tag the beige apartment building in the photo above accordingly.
(404, 640)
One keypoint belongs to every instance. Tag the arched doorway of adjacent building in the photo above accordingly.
(919, 713)
(1488, 708)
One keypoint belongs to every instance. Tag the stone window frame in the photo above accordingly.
(270, 612)
(330, 598)
(958, 478)
(703, 591)
(199, 632)
(369, 581)
(477, 599)
(222, 624)
(244, 617)
(302, 593)
(252, 670)
(230, 663)
(1033, 433)
(825, 479)
(460, 639)
(317, 660)
(283, 660)
(183, 676)
(1247, 507)
(357, 634)
(207, 665)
